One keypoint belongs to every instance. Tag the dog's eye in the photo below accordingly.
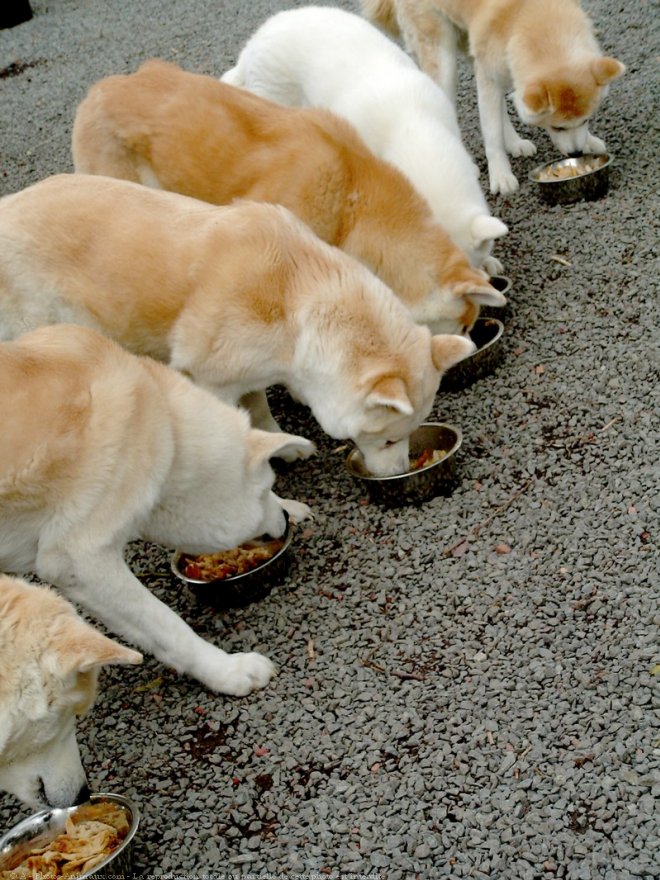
(389, 443)
(559, 127)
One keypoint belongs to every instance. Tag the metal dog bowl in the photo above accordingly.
(571, 180)
(239, 589)
(45, 826)
(500, 282)
(415, 486)
(486, 335)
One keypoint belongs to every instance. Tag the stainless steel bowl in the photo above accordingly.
(486, 335)
(46, 825)
(587, 178)
(240, 589)
(415, 486)
(500, 283)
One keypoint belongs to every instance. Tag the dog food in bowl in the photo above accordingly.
(238, 576)
(73, 842)
(569, 180)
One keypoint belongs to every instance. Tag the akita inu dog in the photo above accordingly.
(194, 135)
(543, 50)
(238, 297)
(49, 664)
(100, 447)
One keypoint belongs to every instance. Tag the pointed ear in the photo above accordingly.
(486, 228)
(536, 98)
(262, 445)
(606, 69)
(447, 350)
(483, 294)
(85, 648)
(390, 391)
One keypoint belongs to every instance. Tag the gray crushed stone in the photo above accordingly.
(442, 709)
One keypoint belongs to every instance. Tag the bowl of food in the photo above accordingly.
(236, 577)
(432, 471)
(573, 179)
(500, 282)
(487, 336)
(94, 839)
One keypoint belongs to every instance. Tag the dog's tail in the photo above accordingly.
(382, 13)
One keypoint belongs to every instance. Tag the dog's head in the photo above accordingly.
(49, 663)
(380, 373)
(564, 100)
(219, 492)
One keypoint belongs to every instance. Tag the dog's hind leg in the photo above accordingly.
(432, 38)
(102, 583)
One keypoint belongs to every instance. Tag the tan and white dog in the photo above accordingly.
(543, 50)
(191, 134)
(320, 56)
(238, 297)
(100, 447)
(49, 665)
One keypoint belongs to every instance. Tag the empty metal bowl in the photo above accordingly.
(45, 826)
(573, 179)
(500, 283)
(414, 486)
(239, 589)
(486, 335)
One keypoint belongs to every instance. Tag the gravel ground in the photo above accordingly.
(464, 689)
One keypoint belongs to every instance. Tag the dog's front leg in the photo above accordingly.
(515, 145)
(103, 584)
(491, 114)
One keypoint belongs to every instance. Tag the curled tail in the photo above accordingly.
(383, 13)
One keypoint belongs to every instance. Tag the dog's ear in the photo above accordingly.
(480, 292)
(87, 649)
(486, 228)
(262, 445)
(606, 69)
(390, 391)
(536, 98)
(448, 349)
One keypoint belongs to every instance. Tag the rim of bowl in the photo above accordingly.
(487, 345)
(393, 477)
(504, 280)
(534, 173)
(234, 578)
(56, 812)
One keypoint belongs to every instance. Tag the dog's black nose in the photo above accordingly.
(83, 795)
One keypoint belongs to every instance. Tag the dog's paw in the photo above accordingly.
(502, 181)
(493, 266)
(244, 673)
(297, 510)
(594, 145)
(520, 147)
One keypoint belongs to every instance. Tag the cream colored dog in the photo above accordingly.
(544, 50)
(194, 135)
(239, 298)
(49, 664)
(320, 56)
(99, 447)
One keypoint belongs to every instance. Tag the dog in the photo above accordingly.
(544, 50)
(237, 297)
(49, 665)
(322, 56)
(191, 134)
(103, 447)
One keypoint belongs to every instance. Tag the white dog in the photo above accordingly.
(321, 56)
(49, 664)
(100, 447)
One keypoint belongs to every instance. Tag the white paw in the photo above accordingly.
(493, 266)
(520, 147)
(502, 180)
(243, 673)
(594, 145)
(297, 510)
